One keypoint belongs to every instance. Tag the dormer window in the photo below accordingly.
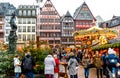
(114, 22)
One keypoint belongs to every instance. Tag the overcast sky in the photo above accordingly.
(105, 8)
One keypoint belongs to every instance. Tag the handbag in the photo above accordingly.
(22, 76)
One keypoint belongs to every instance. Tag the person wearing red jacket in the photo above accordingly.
(56, 69)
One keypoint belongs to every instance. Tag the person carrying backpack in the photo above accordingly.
(28, 66)
(112, 61)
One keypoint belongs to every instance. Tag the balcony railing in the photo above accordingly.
(67, 42)
(68, 28)
(66, 35)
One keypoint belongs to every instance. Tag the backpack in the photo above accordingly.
(112, 61)
(27, 64)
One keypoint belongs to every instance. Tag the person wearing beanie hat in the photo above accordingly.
(111, 51)
(112, 61)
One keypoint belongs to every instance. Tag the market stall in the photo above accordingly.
(94, 36)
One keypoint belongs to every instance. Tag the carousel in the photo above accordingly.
(94, 36)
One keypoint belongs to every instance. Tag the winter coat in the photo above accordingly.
(49, 65)
(72, 64)
(112, 57)
(57, 65)
(23, 61)
(98, 62)
(17, 68)
(86, 62)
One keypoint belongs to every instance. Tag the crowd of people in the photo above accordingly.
(107, 63)
(26, 67)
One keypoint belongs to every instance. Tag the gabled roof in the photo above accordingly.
(4, 7)
(115, 21)
(1, 11)
(68, 14)
(11, 7)
(78, 13)
(49, 6)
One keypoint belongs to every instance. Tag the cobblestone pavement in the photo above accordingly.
(92, 72)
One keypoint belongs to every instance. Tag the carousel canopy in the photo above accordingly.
(95, 31)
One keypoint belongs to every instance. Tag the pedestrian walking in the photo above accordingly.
(104, 66)
(73, 66)
(28, 64)
(112, 61)
(98, 64)
(79, 55)
(49, 66)
(17, 66)
(86, 61)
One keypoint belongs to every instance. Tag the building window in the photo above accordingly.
(0, 19)
(29, 29)
(1, 35)
(20, 12)
(28, 37)
(24, 37)
(28, 21)
(24, 28)
(33, 28)
(6, 38)
(19, 21)
(0, 26)
(24, 21)
(7, 25)
(19, 28)
(19, 37)
(7, 31)
(33, 21)
(29, 12)
(33, 37)
(24, 13)
(33, 13)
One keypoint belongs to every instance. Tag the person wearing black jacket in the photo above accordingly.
(105, 72)
(28, 64)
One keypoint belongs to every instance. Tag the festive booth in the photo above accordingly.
(94, 36)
